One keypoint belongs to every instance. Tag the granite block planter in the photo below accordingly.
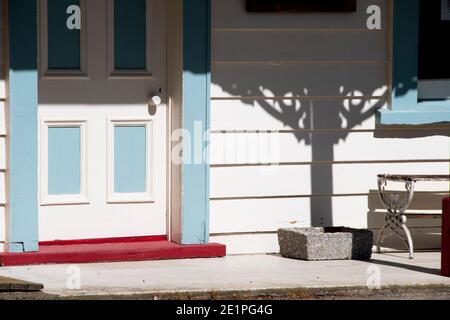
(330, 243)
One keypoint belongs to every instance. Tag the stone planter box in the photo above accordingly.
(331, 243)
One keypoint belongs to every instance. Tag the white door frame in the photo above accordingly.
(81, 75)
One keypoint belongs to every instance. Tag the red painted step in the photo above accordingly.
(139, 250)
(103, 240)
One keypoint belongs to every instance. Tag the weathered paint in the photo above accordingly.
(405, 105)
(130, 149)
(22, 203)
(196, 104)
(64, 160)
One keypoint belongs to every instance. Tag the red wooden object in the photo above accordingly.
(102, 240)
(137, 249)
(445, 244)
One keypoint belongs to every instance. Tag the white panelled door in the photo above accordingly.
(102, 142)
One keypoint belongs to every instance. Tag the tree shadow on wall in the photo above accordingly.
(315, 119)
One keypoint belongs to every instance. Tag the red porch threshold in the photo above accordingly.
(111, 250)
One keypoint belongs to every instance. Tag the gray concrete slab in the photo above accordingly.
(233, 273)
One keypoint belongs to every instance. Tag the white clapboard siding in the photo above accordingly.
(2, 187)
(248, 243)
(295, 180)
(3, 49)
(231, 14)
(318, 79)
(2, 87)
(266, 114)
(287, 147)
(257, 148)
(2, 227)
(324, 45)
(281, 80)
(396, 148)
(2, 119)
(2, 208)
(368, 211)
(2, 154)
(308, 114)
(267, 215)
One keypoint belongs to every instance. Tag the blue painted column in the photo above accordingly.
(196, 105)
(22, 228)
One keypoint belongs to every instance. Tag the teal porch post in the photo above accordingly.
(195, 114)
(22, 225)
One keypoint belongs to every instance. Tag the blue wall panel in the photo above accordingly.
(64, 161)
(130, 159)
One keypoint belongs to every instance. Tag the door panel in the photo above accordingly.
(130, 161)
(64, 160)
(102, 154)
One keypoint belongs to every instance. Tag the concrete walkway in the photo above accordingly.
(233, 273)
